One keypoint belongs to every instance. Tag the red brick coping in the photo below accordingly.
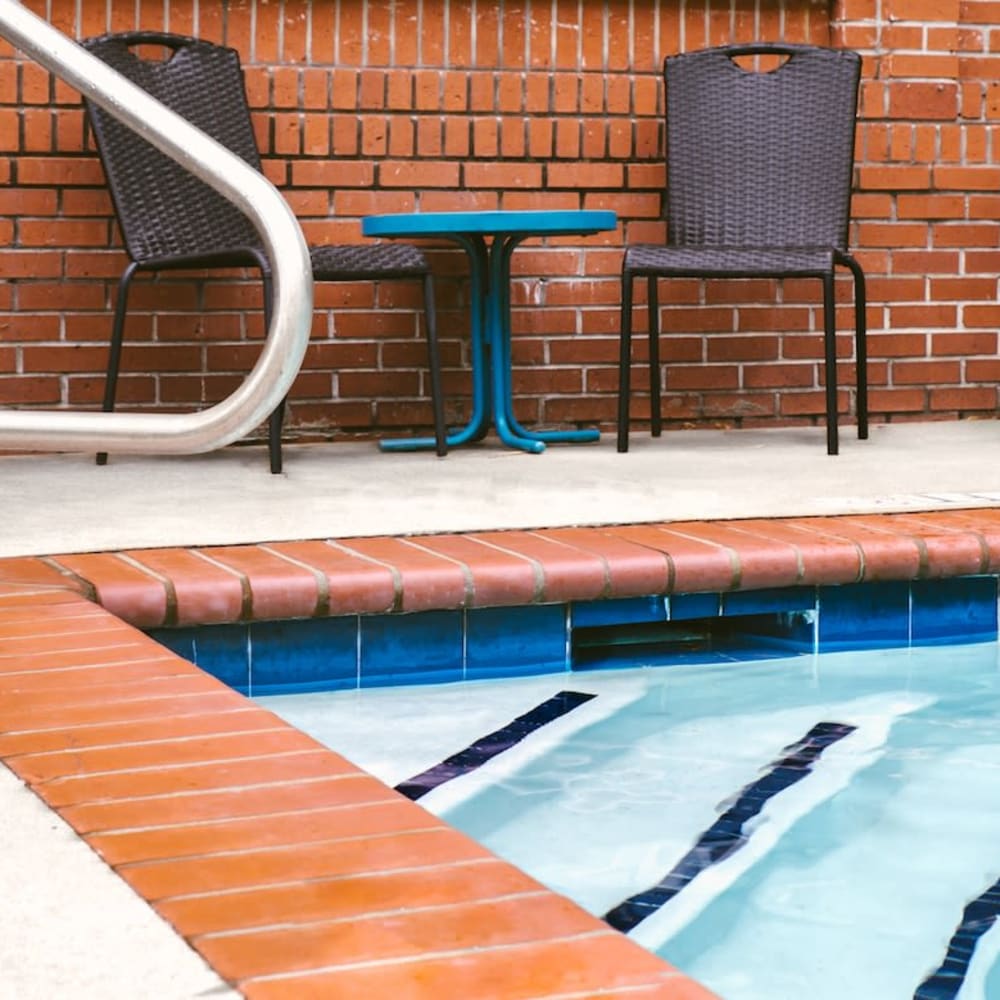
(291, 871)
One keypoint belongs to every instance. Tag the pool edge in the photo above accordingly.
(54, 690)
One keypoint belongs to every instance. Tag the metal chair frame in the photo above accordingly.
(171, 220)
(759, 172)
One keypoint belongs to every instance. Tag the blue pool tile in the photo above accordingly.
(978, 917)
(760, 602)
(219, 650)
(733, 829)
(177, 640)
(684, 607)
(411, 649)
(513, 642)
(793, 631)
(621, 611)
(864, 615)
(319, 654)
(491, 745)
(959, 609)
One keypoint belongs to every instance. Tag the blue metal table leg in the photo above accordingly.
(479, 423)
(513, 433)
(482, 361)
(499, 339)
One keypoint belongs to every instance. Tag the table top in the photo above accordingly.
(542, 222)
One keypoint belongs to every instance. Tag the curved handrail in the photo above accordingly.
(288, 335)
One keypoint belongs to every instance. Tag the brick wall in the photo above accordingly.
(928, 199)
(366, 107)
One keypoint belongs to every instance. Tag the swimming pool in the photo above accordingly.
(813, 825)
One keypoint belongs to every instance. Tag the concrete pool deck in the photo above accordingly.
(289, 871)
(63, 503)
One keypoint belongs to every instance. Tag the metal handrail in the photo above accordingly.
(288, 335)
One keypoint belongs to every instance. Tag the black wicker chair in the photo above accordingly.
(759, 172)
(170, 219)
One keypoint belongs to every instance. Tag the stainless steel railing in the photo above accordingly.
(288, 335)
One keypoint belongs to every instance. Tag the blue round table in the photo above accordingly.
(489, 238)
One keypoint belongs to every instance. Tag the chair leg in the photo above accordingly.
(625, 362)
(115, 347)
(276, 420)
(274, 424)
(830, 344)
(653, 309)
(434, 362)
(860, 345)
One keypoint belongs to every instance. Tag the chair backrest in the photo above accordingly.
(163, 211)
(759, 158)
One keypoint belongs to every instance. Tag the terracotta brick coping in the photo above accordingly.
(292, 872)
(151, 588)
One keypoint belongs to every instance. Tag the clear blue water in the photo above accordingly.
(849, 882)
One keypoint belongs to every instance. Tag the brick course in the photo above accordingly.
(365, 107)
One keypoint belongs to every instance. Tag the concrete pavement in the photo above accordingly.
(64, 503)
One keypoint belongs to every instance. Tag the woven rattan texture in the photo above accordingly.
(386, 260)
(730, 262)
(760, 158)
(163, 211)
(168, 216)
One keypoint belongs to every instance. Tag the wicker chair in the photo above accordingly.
(759, 171)
(170, 219)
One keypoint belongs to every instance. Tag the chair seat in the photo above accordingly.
(730, 262)
(377, 260)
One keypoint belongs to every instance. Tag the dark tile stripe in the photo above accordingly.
(977, 918)
(725, 835)
(488, 747)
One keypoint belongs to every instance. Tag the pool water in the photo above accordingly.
(813, 826)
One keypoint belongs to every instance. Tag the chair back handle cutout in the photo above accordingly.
(164, 39)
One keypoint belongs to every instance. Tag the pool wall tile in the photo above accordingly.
(957, 609)
(412, 649)
(684, 607)
(515, 642)
(219, 650)
(792, 631)
(863, 615)
(325, 654)
(587, 614)
(177, 640)
(319, 654)
(759, 602)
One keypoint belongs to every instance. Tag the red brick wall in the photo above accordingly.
(366, 107)
(928, 199)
